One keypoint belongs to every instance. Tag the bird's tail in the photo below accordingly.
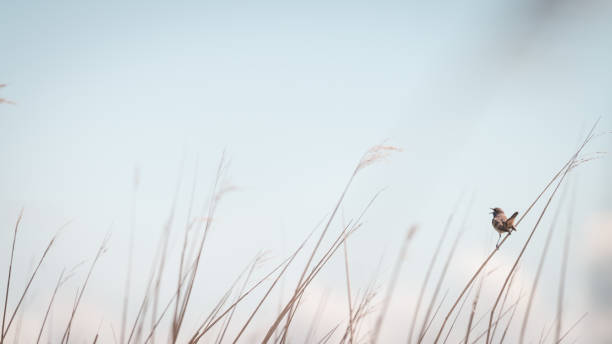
(510, 221)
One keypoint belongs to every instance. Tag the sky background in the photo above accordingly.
(487, 99)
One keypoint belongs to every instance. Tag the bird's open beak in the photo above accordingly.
(492, 211)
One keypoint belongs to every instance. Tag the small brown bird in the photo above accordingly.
(501, 223)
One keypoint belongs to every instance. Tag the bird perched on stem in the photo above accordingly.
(501, 223)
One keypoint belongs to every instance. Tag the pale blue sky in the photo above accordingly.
(485, 97)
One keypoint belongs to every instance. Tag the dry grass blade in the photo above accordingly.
(461, 308)
(391, 287)
(126, 292)
(17, 336)
(485, 314)
(562, 281)
(60, 281)
(546, 332)
(282, 335)
(539, 270)
(340, 239)
(218, 191)
(114, 334)
(432, 262)
(95, 340)
(161, 267)
(165, 240)
(457, 315)
(263, 299)
(188, 225)
(158, 320)
(137, 327)
(503, 315)
(226, 323)
(504, 301)
(317, 317)
(101, 251)
(542, 337)
(435, 314)
(361, 311)
(25, 291)
(328, 335)
(348, 294)
(8, 280)
(174, 296)
(142, 310)
(451, 253)
(507, 326)
(571, 328)
(473, 312)
(315, 270)
(215, 311)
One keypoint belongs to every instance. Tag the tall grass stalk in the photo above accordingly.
(128, 277)
(101, 250)
(507, 326)
(432, 262)
(561, 293)
(449, 259)
(571, 328)
(391, 286)
(348, 293)
(512, 279)
(473, 312)
(540, 267)
(29, 283)
(10, 270)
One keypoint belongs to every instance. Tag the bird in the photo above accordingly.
(501, 223)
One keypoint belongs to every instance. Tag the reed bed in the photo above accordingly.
(367, 308)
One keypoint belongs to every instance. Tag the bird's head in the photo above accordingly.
(496, 211)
